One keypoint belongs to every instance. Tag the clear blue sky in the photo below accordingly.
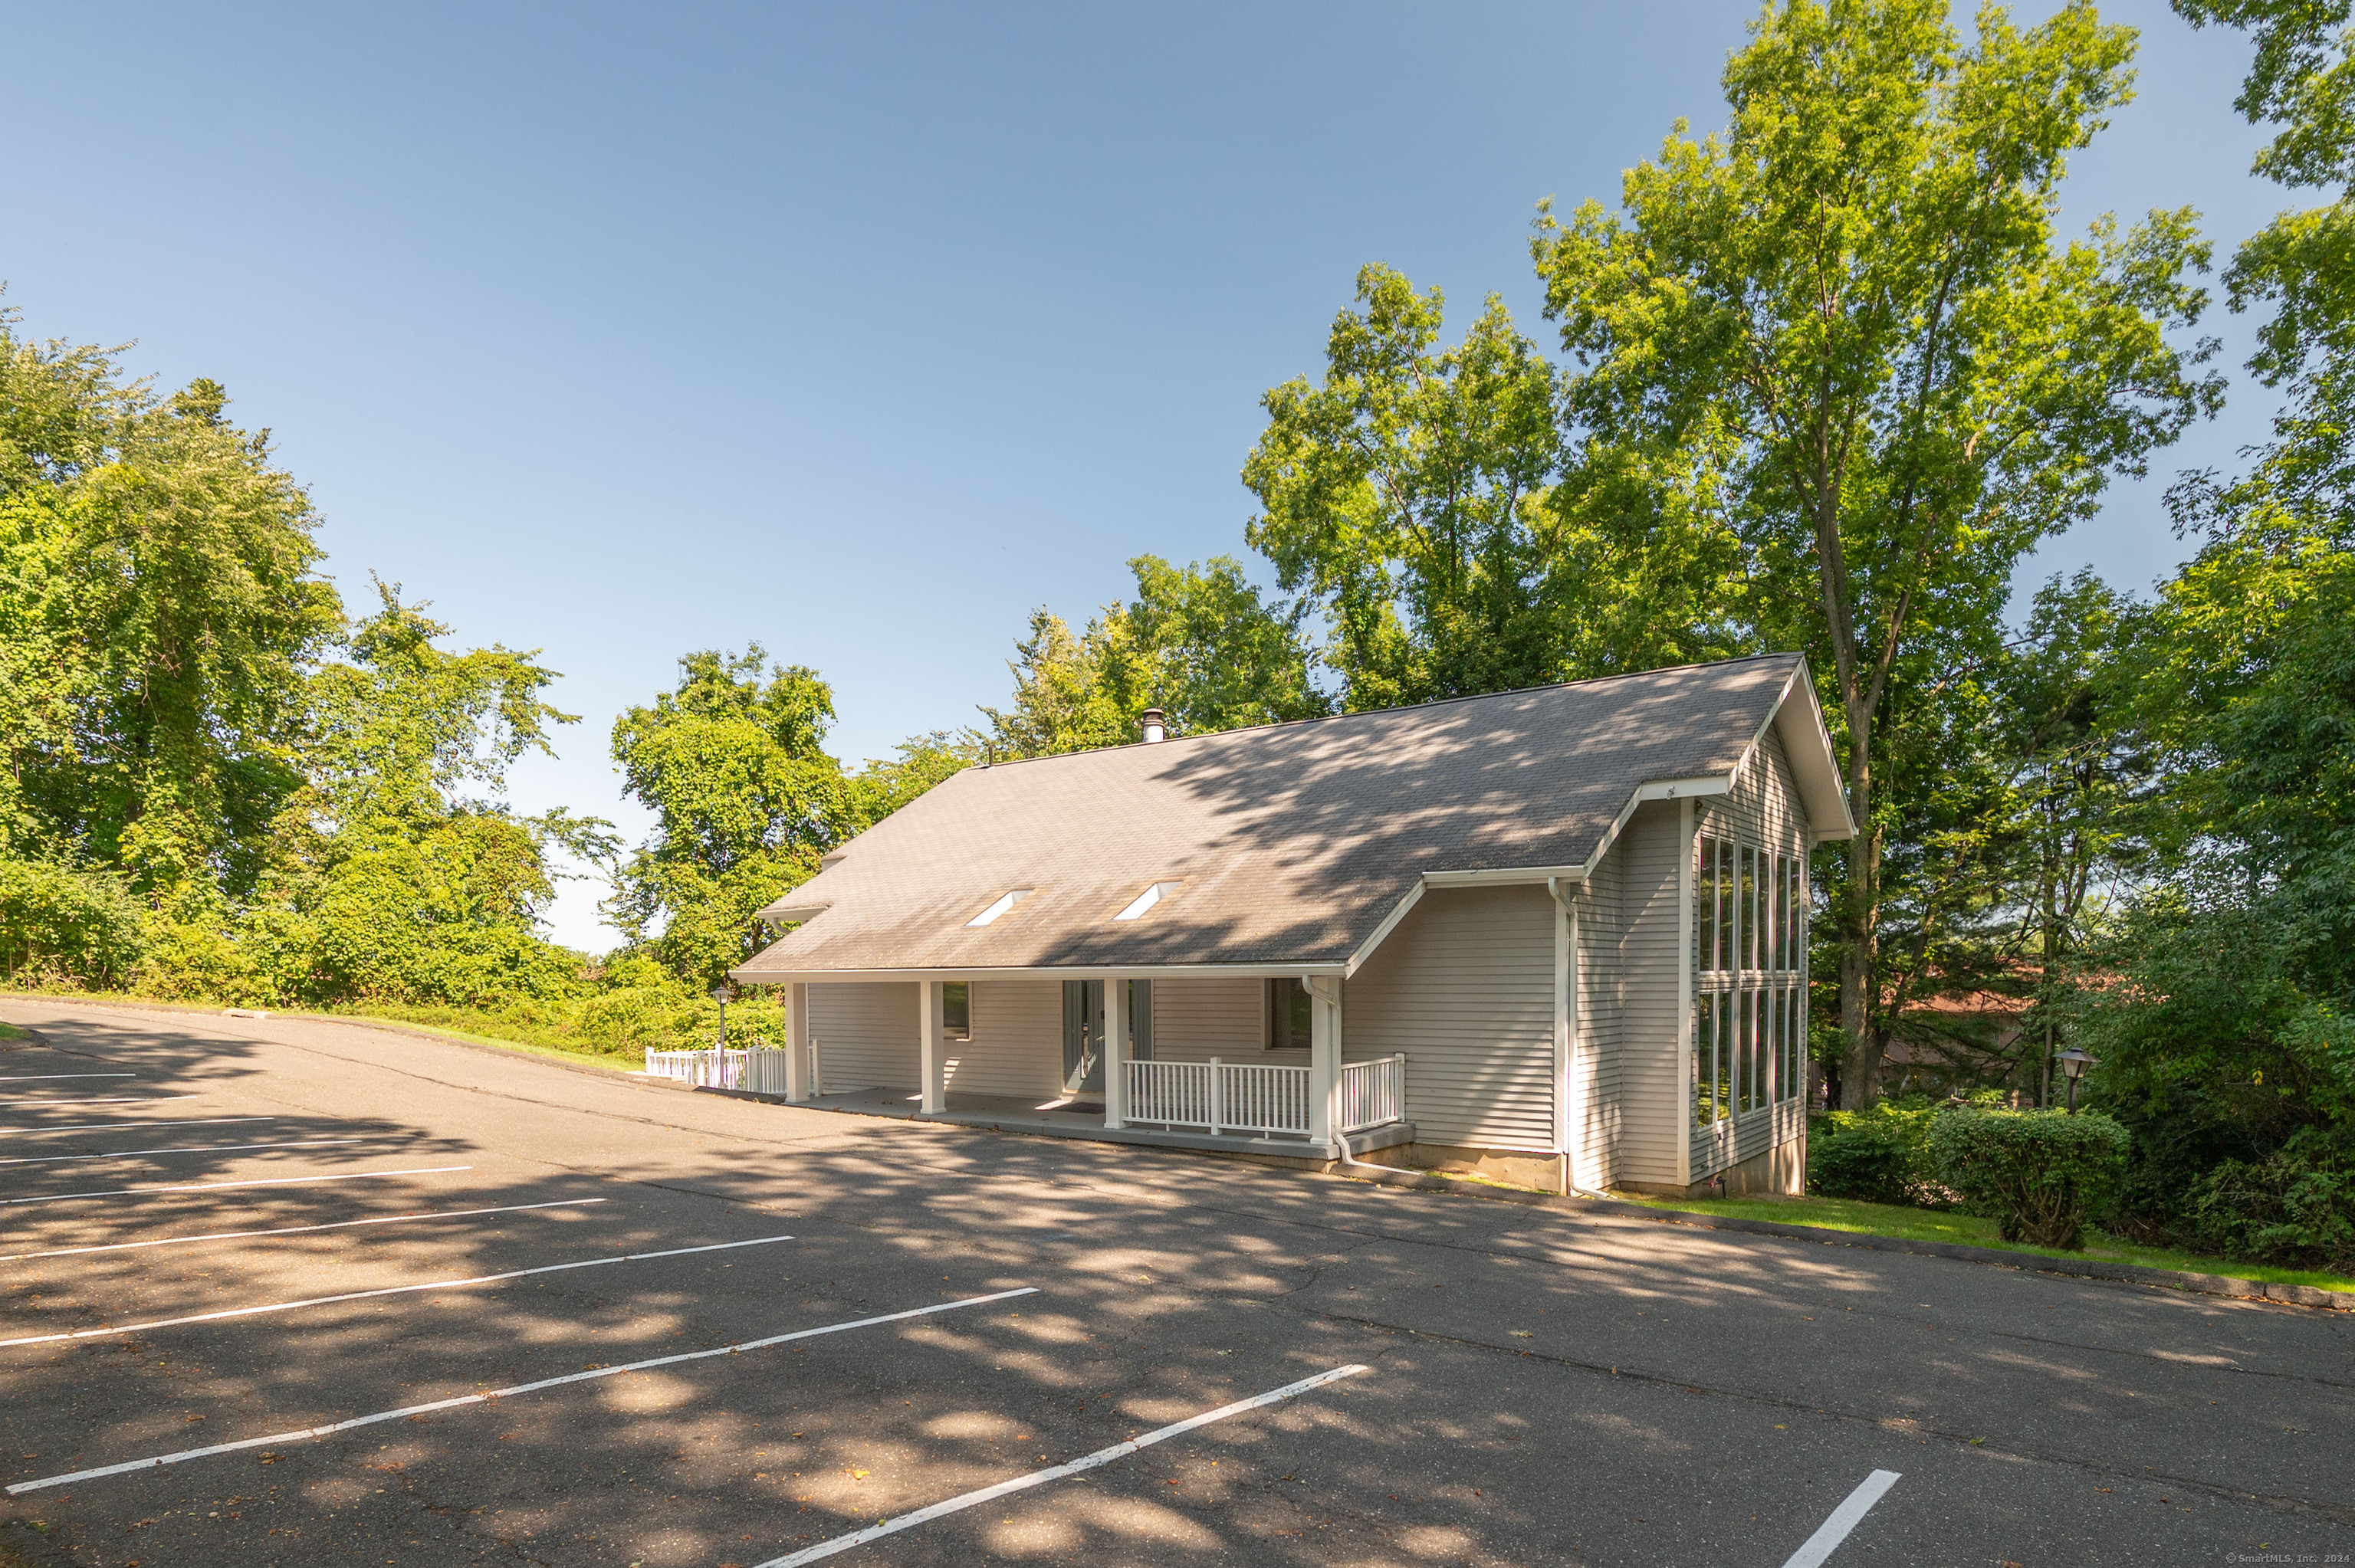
(858, 330)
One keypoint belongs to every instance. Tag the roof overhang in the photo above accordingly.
(1045, 972)
(1808, 746)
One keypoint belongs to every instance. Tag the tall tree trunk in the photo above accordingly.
(1861, 1061)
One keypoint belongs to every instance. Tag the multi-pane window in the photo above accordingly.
(1750, 946)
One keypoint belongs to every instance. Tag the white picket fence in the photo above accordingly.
(759, 1070)
(1249, 1096)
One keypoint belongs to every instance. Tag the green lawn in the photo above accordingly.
(471, 1024)
(7, 1033)
(1944, 1225)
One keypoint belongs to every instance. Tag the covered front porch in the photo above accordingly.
(1247, 1062)
(1057, 1118)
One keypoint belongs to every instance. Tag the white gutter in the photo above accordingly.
(1659, 790)
(1053, 972)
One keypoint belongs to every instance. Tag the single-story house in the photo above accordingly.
(1558, 932)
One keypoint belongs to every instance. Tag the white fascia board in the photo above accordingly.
(1390, 923)
(1816, 763)
(777, 914)
(1657, 789)
(1058, 971)
(1501, 876)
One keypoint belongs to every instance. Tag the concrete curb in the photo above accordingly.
(2001, 1257)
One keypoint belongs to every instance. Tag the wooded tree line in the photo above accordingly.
(1820, 380)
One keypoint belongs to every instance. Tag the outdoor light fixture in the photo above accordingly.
(2074, 1064)
(720, 993)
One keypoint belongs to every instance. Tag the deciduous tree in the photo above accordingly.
(1843, 335)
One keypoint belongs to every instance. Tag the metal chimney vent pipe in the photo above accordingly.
(1154, 728)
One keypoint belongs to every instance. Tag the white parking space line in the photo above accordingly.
(143, 1125)
(309, 1433)
(301, 1230)
(190, 1149)
(1845, 1518)
(36, 1078)
(225, 1186)
(1040, 1478)
(94, 1099)
(388, 1290)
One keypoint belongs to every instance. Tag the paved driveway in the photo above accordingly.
(570, 1318)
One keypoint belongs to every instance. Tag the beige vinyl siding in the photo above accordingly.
(1596, 1068)
(1464, 987)
(866, 1034)
(1763, 809)
(1195, 1020)
(1653, 1056)
(1018, 1040)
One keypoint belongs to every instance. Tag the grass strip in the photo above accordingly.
(1904, 1224)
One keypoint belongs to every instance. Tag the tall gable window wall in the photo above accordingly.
(1750, 949)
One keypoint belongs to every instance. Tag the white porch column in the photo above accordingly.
(1323, 1059)
(930, 1053)
(1115, 1051)
(797, 1039)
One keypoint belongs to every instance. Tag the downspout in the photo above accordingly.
(1561, 899)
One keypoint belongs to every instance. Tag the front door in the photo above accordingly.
(1084, 1036)
(1083, 1032)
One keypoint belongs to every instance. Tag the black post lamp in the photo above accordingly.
(720, 993)
(2074, 1064)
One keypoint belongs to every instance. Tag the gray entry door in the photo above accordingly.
(1083, 1038)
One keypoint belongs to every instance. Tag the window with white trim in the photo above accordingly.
(1749, 970)
(956, 1010)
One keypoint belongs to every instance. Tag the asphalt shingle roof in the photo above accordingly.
(1288, 844)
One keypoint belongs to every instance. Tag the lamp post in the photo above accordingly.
(2074, 1064)
(720, 993)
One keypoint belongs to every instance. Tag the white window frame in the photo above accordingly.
(1747, 1032)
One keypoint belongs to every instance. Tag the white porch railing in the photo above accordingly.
(759, 1070)
(1249, 1096)
(1373, 1094)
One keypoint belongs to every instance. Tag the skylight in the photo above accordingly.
(1147, 900)
(1004, 900)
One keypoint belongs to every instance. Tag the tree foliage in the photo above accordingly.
(1843, 337)
(158, 607)
(1198, 642)
(1403, 495)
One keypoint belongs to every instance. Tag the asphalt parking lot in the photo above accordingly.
(287, 1292)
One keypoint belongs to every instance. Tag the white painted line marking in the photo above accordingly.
(307, 1433)
(301, 1230)
(143, 1125)
(94, 1099)
(190, 1149)
(224, 1186)
(33, 1078)
(1845, 1518)
(388, 1290)
(1040, 1478)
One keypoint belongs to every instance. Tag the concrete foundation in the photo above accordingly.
(1520, 1167)
(1779, 1172)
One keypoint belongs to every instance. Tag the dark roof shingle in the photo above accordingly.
(1288, 844)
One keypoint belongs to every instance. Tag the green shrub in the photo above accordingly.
(67, 928)
(2041, 1175)
(1878, 1156)
(2294, 1208)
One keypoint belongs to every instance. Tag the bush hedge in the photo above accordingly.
(1878, 1156)
(2039, 1175)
